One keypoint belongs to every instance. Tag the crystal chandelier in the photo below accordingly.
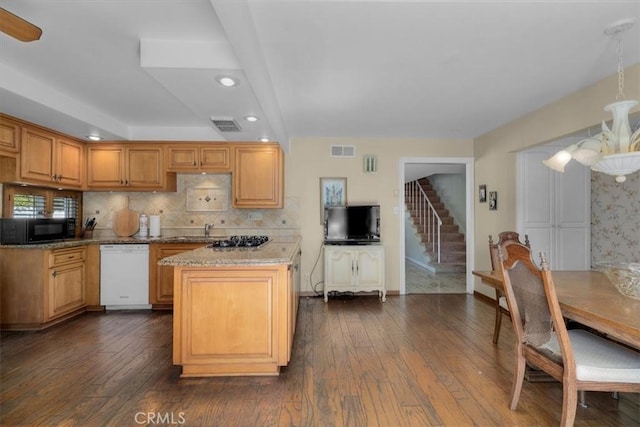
(614, 151)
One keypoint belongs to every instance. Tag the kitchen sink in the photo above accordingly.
(196, 238)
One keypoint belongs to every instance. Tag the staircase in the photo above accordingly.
(449, 239)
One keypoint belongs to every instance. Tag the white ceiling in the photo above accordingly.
(141, 69)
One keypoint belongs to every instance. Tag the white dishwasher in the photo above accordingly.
(124, 276)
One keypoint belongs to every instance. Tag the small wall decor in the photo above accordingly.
(482, 193)
(333, 192)
(370, 163)
(207, 199)
(493, 200)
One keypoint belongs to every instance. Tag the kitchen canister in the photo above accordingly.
(144, 226)
(154, 226)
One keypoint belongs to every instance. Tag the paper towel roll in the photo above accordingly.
(154, 225)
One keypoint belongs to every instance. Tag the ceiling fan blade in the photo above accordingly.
(17, 27)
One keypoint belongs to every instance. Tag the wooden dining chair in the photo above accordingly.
(500, 302)
(577, 358)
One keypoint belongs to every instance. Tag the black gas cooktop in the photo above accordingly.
(234, 242)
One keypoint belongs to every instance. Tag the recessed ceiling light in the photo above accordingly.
(94, 137)
(227, 81)
(264, 139)
(251, 118)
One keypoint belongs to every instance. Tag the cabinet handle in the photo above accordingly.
(54, 274)
(352, 266)
(126, 182)
(121, 182)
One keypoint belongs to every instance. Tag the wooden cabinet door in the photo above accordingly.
(215, 158)
(9, 136)
(145, 167)
(68, 163)
(161, 276)
(65, 291)
(105, 166)
(184, 158)
(258, 176)
(37, 155)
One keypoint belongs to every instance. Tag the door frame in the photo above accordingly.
(469, 206)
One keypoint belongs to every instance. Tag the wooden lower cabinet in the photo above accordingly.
(233, 320)
(41, 287)
(161, 276)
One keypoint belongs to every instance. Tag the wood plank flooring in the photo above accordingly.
(416, 360)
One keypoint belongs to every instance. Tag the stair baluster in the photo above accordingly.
(430, 222)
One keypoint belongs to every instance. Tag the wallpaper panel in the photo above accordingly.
(615, 218)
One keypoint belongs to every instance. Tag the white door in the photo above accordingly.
(554, 209)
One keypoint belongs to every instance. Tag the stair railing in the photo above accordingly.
(429, 222)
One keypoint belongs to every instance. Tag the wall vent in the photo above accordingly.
(343, 151)
(226, 125)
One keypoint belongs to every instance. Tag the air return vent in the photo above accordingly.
(226, 125)
(343, 151)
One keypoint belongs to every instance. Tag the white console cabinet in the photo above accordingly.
(358, 268)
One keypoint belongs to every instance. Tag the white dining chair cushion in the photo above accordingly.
(599, 359)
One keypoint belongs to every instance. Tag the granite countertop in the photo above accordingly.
(69, 243)
(279, 250)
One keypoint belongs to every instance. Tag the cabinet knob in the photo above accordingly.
(54, 274)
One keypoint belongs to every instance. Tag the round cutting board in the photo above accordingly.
(126, 222)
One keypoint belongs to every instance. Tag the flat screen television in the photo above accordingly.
(351, 225)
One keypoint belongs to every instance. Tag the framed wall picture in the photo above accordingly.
(493, 200)
(333, 192)
(482, 193)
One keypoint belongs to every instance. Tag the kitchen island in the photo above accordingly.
(235, 308)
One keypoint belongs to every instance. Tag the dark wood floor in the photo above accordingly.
(417, 360)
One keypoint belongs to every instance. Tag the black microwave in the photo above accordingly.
(24, 231)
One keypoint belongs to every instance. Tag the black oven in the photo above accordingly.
(23, 231)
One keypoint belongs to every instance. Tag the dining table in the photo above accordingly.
(589, 298)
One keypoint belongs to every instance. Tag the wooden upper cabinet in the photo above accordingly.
(258, 176)
(69, 161)
(105, 166)
(145, 168)
(9, 136)
(126, 167)
(200, 158)
(47, 158)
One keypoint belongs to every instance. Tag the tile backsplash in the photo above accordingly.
(176, 219)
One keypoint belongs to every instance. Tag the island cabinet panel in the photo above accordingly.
(232, 320)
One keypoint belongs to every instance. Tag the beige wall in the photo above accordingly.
(308, 160)
(495, 152)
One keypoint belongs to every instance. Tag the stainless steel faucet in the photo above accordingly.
(207, 229)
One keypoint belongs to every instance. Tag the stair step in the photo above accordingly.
(444, 237)
(452, 242)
